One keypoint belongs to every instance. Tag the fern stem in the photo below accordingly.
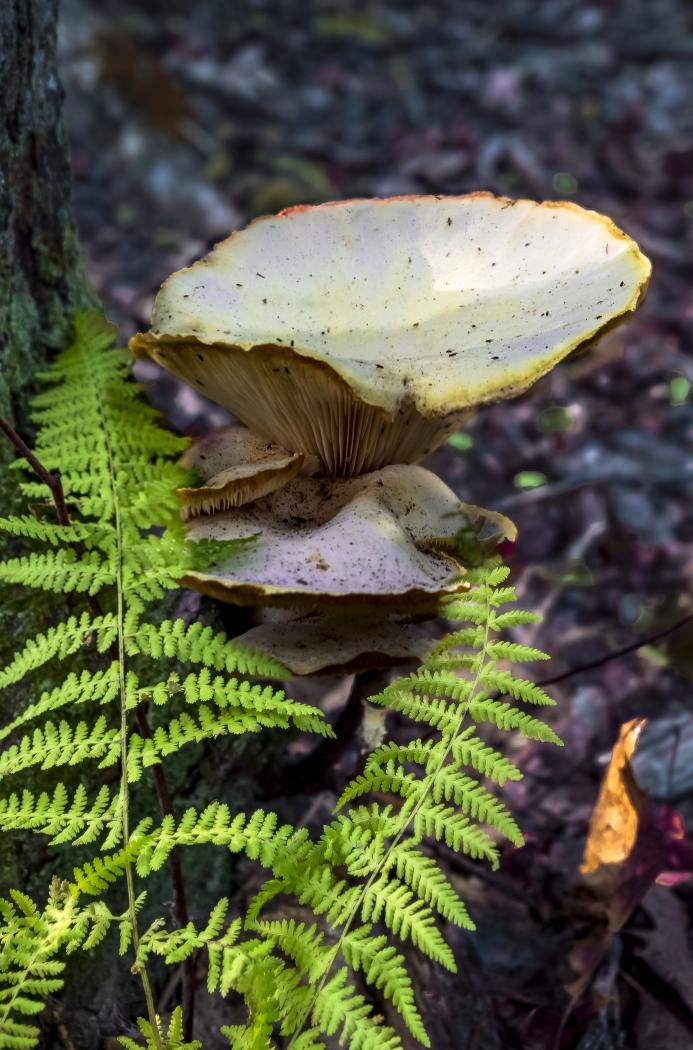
(180, 905)
(125, 793)
(406, 823)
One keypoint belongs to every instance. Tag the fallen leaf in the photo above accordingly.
(614, 824)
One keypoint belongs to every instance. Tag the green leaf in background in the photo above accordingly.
(556, 417)
(530, 479)
(679, 389)
(565, 183)
(461, 442)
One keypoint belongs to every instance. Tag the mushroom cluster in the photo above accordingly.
(351, 340)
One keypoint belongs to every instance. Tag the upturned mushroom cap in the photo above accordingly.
(366, 332)
(335, 645)
(331, 543)
(238, 466)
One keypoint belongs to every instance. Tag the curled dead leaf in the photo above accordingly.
(628, 848)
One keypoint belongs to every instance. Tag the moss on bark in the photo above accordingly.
(42, 279)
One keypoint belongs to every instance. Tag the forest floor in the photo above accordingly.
(187, 120)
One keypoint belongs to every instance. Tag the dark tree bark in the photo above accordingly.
(42, 278)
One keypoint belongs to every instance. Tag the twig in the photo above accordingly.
(52, 480)
(619, 652)
(58, 1021)
(163, 794)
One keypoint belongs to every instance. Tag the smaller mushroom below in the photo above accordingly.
(336, 544)
(336, 645)
(237, 466)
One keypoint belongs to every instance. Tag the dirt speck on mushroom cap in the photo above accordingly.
(370, 310)
(327, 543)
(531, 280)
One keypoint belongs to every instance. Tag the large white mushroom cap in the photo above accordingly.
(367, 543)
(365, 332)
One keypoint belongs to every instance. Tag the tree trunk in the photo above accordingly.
(42, 278)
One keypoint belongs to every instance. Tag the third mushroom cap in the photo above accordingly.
(366, 332)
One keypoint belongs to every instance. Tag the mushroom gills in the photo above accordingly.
(238, 466)
(365, 332)
(306, 406)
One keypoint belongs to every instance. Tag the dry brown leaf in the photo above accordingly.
(614, 822)
(143, 83)
(621, 859)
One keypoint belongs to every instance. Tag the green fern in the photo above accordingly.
(155, 1038)
(371, 878)
(30, 942)
(125, 545)
(392, 881)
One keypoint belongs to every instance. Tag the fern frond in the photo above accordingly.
(199, 644)
(186, 730)
(306, 1040)
(62, 745)
(473, 798)
(100, 687)
(467, 636)
(516, 618)
(95, 876)
(29, 970)
(406, 916)
(172, 1040)
(392, 778)
(303, 946)
(518, 688)
(455, 830)
(259, 838)
(60, 571)
(438, 713)
(61, 641)
(429, 683)
(72, 822)
(427, 754)
(101, 535)
(384, 968)
(467, 749)
(326, 895)
(516, 653)
(337, 1007)
(505, 716)
(426, 879)
(263, 703)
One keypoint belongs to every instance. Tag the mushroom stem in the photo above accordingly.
(316, 772)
